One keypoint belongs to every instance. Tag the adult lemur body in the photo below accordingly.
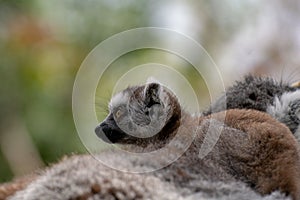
(253, 151)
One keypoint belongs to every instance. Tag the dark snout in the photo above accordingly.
(108, 131)
(101, 131)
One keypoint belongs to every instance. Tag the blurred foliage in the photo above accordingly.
(42, 45)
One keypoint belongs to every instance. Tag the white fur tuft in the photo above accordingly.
(281, 108)
(118, 99)
(281, 104)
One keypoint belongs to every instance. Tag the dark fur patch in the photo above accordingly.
(250, 93)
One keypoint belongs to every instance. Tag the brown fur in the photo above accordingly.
(269, 159)
(263, 153)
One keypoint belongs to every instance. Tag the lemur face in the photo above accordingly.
(137, 113)
(280, 100)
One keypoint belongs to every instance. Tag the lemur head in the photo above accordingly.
(139, 114)
(251, 93)
(281, 100)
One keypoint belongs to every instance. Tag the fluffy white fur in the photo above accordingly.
(281, 106)
(119, 98)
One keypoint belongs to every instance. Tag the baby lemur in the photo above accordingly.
(249, 148)
(254, 151)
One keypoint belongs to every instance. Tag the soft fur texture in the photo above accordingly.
(241, 157)
(83, 177)
(8, 189)
(254, 154)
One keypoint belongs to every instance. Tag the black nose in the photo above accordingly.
(100, 132)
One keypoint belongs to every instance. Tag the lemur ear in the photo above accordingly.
(152, 94)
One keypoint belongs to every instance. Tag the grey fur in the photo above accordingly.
(265, 94)
(250, 93)
(83, 177)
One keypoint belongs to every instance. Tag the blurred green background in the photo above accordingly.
(43, 43)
